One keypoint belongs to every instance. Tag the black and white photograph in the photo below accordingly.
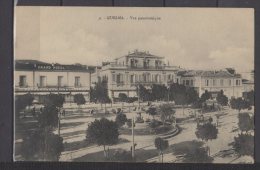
(134, 84)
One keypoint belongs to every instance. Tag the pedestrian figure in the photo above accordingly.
(33, 111)
(63, 112)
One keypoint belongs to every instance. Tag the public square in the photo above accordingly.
(74, 124)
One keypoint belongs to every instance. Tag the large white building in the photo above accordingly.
(41, 79)
(122, 75)
(213, 81)
(126, 72)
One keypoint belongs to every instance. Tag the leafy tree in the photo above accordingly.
(205, 96)
(152, 111)
(143, 93)
(121, 119)
(100, 92)
(206, 132)
(245, 122)
(244, 144)
(42, 145)
(79, 99)
(92, 95)
(239, 104)
(192, 95)
(176, 89)
(49, 117)
(161, 145)
(192, 152)
(181, 99)
(166, 111)
(250, 97)
(56, 100)
(159, 92)
(21, 102)
(103, 132)
(222, 99)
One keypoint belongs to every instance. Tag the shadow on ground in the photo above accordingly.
(84, 143)
(71, 125)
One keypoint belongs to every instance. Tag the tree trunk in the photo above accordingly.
(208, 148)
(162, 156)
(159, 157)
(105, 154)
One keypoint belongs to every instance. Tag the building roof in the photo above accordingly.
(36, 65)
(140, 54)
(208, 73)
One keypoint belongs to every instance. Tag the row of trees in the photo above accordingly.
(175, 92)
(240, 104)
(244, 143)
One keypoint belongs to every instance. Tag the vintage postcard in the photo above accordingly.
(119, 84)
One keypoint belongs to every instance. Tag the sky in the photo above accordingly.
(193, 38)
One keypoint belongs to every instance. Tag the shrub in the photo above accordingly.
(152, 111)
(139, 120)
(244, 144)
(121, 119)
(129, 122)
(245, 122)
(119, 110)
(79, 99)
(155, 123)
(122, 97)
(206, 132)
(122, 156)
(42, 145)
(162, 129)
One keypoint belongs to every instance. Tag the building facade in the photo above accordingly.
(213, 82)
(126, 72)
(41, 79)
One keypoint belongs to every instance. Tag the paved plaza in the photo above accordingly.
(76, 148)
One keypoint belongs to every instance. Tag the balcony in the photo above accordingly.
(51, 88)
(120, 66)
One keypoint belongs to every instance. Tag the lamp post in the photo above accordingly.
(133, 139)
(138, 91)
(168, 93)
(59, 122)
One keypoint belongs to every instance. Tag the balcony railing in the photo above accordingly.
(49, 88)
(114, 65)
